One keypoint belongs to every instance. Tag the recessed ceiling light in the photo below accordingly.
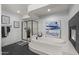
(49, 10)
(18, 11)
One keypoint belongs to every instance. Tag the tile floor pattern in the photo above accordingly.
(15, 49)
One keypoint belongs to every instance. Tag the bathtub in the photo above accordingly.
(48, 45)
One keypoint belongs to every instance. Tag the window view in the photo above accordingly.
(73, 34)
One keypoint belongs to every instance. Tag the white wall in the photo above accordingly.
(15, 33)
(64, 21)
(61, 17)
(0, 30)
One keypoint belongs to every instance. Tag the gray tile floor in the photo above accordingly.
(15, 49)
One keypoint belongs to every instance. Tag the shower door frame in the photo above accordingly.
(27, 27)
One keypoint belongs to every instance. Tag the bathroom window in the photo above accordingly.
(73, 34)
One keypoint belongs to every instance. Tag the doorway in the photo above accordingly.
(32, 25)
(24, 30)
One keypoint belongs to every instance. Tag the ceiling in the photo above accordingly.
(54, 9)
(19, 9)
(40, 12)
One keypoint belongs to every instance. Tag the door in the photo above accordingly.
(24, 30)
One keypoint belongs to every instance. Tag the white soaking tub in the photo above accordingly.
(47, 46)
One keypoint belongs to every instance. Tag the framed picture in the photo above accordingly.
(53, 28)
(5, 19)
(16, 24)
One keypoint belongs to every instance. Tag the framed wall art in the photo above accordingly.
(5, 19)
(16, 24)
(53, 28)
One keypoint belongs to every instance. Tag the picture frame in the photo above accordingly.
(16, 24)
(5, 19)
(53, 28)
